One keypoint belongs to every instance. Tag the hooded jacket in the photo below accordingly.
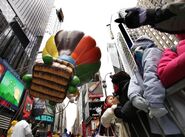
(145, 83)
(152, 89)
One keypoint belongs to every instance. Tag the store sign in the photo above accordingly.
(27, 107)
(45, 118)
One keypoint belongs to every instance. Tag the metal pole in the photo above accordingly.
(104, 83)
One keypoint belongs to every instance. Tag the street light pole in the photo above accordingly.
(104, 83)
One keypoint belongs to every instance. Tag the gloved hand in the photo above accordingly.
(140, 103)
(135, 17)
(157, 112)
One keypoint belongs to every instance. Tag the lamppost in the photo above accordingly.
(104, 83)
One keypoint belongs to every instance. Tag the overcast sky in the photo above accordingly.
(91, 17)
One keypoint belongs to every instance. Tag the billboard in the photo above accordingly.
(11, 87)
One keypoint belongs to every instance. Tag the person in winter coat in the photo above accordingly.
(172, 63)
(121, 107)
(124, 108)
(10, 130)
(149, 94)
(169, 18)
(146, 90)
(22, 129)
(65, 134)
(107, 116)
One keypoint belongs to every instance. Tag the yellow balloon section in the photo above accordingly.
(50, 48)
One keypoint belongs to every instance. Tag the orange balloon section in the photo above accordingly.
(86, 51)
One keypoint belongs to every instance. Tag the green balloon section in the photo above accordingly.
(48, 59)
(85, 72)
(75, 81)
(27, 78)
(72, 89)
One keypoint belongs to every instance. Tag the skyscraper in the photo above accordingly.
(27, 21)
(22, 27)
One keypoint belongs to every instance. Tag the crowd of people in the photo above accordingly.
(156, 70)
(25, 128)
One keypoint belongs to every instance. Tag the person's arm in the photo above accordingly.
(169, 18)
(125, 111)
(107, 116)
(135, 92)
(154, 92)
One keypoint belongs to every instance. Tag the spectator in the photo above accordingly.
(22, 129)
(10, 130)
(65, 134)
(106, 117)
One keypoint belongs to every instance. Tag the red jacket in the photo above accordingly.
(172, 65)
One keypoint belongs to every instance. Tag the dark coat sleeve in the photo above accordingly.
(126, 112)
(170, 18)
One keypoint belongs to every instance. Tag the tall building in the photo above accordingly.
(22, 27)
(27, 21)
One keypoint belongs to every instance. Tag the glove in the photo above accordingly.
(135, 17)
(157, 112)
(140, 103)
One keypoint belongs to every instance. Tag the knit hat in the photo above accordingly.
(119, 81)
(119, 77)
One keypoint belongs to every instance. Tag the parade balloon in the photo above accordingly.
(69, 59)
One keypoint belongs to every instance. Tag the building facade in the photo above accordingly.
(21, 31)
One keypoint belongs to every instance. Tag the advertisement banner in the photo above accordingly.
(11, 87)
